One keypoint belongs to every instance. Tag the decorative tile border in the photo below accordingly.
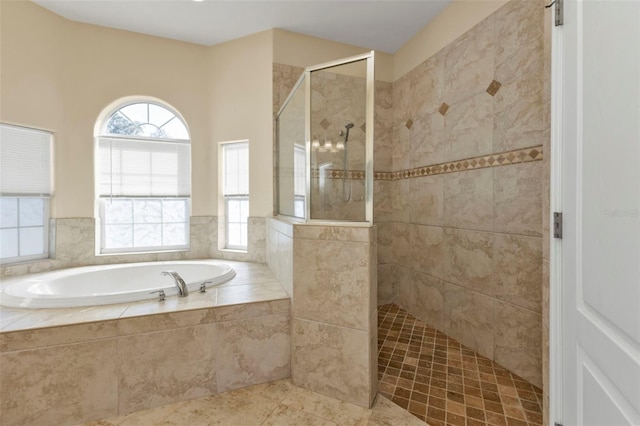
(525, 155)
(493, 160)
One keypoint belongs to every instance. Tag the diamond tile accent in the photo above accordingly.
(443, 108)
(494, 87)
(409, 123)
(440, 381)
(325, 123)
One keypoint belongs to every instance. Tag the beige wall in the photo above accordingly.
(302, 51)
(59, 75)
(456, 19)
(241, 103)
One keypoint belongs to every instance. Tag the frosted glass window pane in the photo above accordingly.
(234, 211)
(136, 112)
(8, 212)
(159, 115)
(174, 211)
(147, 235)
(31, 241)
(175, 129)
(8, 243)
(147, 211)
(244, 210)
(31, 212)
(174, 234)
(118, 236)
(118, 211)
(235, 234)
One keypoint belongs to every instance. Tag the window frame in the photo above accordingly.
(46, 217)
(41, 188)
(233, 197)
(101, 199)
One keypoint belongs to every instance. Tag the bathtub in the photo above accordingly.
(107, 284)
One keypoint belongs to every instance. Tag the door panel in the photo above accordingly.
(601, 204)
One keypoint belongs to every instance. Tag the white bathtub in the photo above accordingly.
(107, 284)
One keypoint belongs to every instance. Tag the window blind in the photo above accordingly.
(138, 168)
(236, 168)
(25, 161)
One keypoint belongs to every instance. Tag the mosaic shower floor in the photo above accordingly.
(442, 382)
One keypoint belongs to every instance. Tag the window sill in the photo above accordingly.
(127, 253)
(226, 250)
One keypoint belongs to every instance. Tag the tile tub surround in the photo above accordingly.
(443, 382)
(73, 241)
(334, 317)
(68, 366)
(275, 403)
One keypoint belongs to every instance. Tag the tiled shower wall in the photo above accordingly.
(461, 189)
(73, 244)
(460, 219)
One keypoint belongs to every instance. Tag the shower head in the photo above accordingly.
(348, 126)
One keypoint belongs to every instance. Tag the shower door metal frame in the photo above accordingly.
(369, 135)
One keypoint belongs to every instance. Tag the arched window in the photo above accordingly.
(143, 179)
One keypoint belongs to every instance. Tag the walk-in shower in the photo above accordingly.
(324, 143)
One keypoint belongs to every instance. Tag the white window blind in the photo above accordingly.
(236, 168)
(132, 168)
(25, 161)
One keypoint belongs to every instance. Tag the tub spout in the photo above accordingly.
(183, 291)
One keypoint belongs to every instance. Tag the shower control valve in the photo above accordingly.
(161, 295)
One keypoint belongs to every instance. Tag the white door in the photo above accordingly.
(599, 45)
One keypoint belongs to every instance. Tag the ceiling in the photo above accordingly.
(383, 25)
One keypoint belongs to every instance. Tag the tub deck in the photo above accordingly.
(71, 366)
(254, 282)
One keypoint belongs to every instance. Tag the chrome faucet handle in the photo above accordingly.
(203, 286)
(161, 295)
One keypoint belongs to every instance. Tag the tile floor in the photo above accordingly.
(276, 403)
(442, 382)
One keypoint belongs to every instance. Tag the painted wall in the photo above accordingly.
(456, 19)
(59, 75)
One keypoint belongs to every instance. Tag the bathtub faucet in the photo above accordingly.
(182, 287)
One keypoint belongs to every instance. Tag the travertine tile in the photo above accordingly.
(42, 337)
(426, 82)
(331, 360)
(400, 200)
(284, 415)
(383, 201)
(254, 350)
(518, 337)
(469, 63)
(386, 413)
(426, 200)
(517, 199)
(468, 199)
(405, 288)
(427, 139)
(78, 385)
(250, 293)
(401, 244)
(428, 302)
(386, 287)
(386, 235)
(468, 260)
(427, 249)
(332, 282)
(325, 407)
(518, 270)
(519, 114)
(469, 318)
(178, 364)
(332, 233)
(519, 39)
(469, 128)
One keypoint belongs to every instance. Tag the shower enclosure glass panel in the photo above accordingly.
(338, 135)
(324, 143)
(291, 174)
